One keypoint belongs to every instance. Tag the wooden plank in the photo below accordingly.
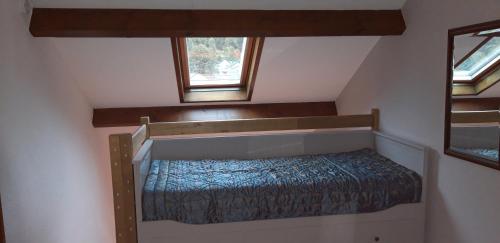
(376, 119)
(265, 124)
(214, 96)
(475, 104)
(254, 66)
(123, 187)
(463, 89)
(115, 117)
(475, 117)
(50, 22)
(489, 80)
(138, 138)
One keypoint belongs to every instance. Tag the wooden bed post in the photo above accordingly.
(375, 119)
(145, 121)
(121, 151)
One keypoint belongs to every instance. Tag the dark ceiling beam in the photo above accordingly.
(475, 104)
(49, 22)
(119, 117)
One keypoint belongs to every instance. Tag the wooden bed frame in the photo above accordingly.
(131, 155)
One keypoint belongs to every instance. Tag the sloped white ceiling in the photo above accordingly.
(491, 92)
(135, 72)
(224, 4)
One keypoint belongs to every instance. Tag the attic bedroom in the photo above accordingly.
(249, 121)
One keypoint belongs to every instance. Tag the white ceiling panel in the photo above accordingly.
(134, 72)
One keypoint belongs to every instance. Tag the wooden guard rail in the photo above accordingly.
(475, 117)
(124, 146)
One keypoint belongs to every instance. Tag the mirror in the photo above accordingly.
(473, 94)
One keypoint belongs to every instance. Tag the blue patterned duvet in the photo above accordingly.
(217, 191)
(486, 153)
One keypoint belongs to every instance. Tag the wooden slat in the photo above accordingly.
(475, 117)
(138, 138)
(113, 117)
(123, 187)
(47, 22)
(266, 124)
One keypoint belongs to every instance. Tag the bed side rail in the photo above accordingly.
(262, 124)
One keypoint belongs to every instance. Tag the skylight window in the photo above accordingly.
(480, 60)
(216, 68)
(216, 61)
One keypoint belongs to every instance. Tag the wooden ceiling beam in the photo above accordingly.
(51, 22)
(118, 117)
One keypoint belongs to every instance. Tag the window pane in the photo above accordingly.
(485, 56)
(215, 61)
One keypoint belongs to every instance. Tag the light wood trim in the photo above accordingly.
(488, 81)
(475, 117)
(265, 124)
(145, 121)
(121, 153)
(215, 96)
(176, 51)
(139, 136)
(256, 53)
(464, 89)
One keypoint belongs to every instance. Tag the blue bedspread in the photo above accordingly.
(217, 191)
(486, 153)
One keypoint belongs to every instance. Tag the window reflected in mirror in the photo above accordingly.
(473, 108)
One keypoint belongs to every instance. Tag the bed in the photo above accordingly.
(231, 190)
(475, 133)
(395, 213)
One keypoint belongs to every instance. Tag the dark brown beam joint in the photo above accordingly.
(49, 22)
(118, 117)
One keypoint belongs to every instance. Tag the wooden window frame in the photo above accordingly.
(217, 93)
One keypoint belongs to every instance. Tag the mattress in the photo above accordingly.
(487, 153)
(218, 191)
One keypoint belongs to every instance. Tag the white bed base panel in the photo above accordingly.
(402, 223)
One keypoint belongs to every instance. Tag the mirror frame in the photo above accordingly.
(449, 80)
(449, 87)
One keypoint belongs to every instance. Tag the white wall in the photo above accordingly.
(405, 77)
(140, 71)
(53, 180)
